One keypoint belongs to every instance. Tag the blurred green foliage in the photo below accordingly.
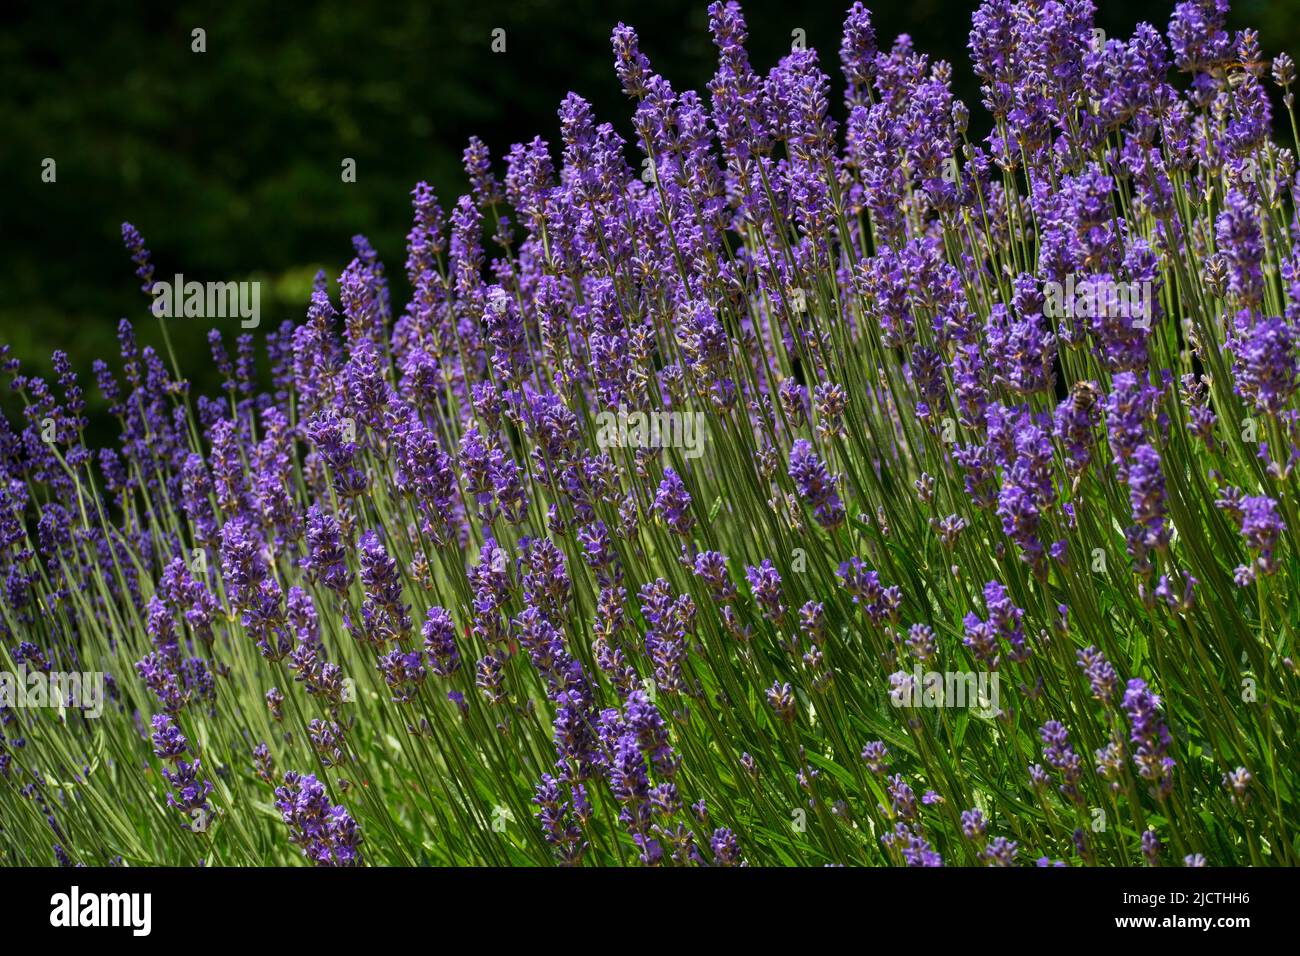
(228, 161)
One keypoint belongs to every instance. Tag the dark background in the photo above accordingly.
(229, 161)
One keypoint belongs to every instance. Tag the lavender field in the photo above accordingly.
(812, 481)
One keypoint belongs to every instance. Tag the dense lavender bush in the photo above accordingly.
(1020, 410)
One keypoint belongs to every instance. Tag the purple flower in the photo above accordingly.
(263, 763)
(631, 65)
(781, 699)
(669, 622)
(134, 243)
(815, 485)
(1027, 493)
(189, 791)
(325, 832)
(879, 602)
(673, 503)
(1261, 528)
(439, 634)
(1151, 847)
(1147, 497)
(1075, 418)
(558, 826)
(1238, 783)
(243, 563)
(711, 567)
(599, 553)
(726, 850)
(326, 559)
(1004, 623)
(1197, 35)
(1001, 852)
(858, 53)
(1061, 757)
(1240, 242)
(1265, 366)
(404, 673)
(765, 583)
(191, 597)
(384, 614)
(973, 824)
(1150, 737)
(488, 677)
(1101, 675)
(332, 437)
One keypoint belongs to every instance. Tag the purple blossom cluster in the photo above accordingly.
(914, 453)
(326, 832)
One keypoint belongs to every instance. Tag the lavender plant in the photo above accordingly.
(1020, 408)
